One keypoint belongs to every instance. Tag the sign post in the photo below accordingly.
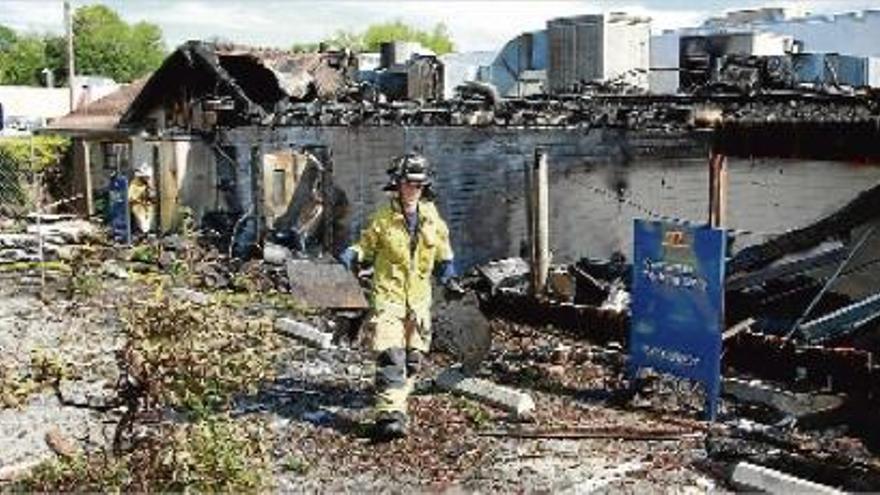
(678, 304)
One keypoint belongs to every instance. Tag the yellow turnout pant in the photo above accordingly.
(400, 345)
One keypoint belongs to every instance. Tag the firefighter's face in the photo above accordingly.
(410, 193)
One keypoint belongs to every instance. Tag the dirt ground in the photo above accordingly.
(318, 409)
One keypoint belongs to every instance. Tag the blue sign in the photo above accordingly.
(678, 303)
(118, 210)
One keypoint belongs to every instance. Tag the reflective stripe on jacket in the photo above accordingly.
(401, 279)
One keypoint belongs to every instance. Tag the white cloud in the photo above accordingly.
(474, 25)
(29, 16)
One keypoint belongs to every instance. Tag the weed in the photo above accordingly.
(475, 413)
(296, 465)
(214, 454)
(145, 253)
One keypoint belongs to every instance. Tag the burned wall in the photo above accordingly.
(600, 180)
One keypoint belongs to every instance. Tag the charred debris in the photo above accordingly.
(783, 324)
(207, 88)
(229, 86)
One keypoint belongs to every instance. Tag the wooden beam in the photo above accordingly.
(717, 189)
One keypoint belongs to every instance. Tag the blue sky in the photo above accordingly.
(475, 25)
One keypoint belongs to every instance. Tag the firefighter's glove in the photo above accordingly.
(452, 290)
(349, 259)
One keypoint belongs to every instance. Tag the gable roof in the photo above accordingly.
(101, 116)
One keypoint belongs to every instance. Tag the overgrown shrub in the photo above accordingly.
(215, 454)
(184, 358)
(194, 357)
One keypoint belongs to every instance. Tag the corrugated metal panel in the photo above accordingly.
(576, 51)
(425, 79)
(831, 68)
(852, 71)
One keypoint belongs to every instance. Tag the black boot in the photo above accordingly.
(390, 426)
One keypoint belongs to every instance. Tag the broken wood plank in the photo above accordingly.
(737, 329)
(790, 403)
(513, 401)
(325, 285)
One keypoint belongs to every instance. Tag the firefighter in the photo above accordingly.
(406, 241)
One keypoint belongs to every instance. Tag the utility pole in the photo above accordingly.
(68, 27)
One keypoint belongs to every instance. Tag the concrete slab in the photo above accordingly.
(754, 477)
(513, 401)
(304, 332)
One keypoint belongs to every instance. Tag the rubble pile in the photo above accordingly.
(55, 237)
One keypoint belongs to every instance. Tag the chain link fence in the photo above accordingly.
(18, 185)
(32, 172)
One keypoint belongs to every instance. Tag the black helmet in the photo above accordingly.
(411, 167)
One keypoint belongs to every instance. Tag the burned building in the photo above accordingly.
(230, 128)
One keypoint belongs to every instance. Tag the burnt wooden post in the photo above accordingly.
(540, 219)
(325, 158)
(256, 165)
(717, 189)
(87, 175)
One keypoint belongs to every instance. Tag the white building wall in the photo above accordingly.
(852, 33)
(663, 63)
(874, 72)
(627, 49)
(34, 102)
(771, 44)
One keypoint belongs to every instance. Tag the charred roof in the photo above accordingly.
(256, 79)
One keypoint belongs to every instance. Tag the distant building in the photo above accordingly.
(573, 51)
(851, 33)
(699, 54)
(848, 34)
(462, 67)
(404, 70)
(598, 48)
(26, 108)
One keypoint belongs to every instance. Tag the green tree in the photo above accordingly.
(105, 45)
(7, 37)
(437, 39)
(22, 61)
